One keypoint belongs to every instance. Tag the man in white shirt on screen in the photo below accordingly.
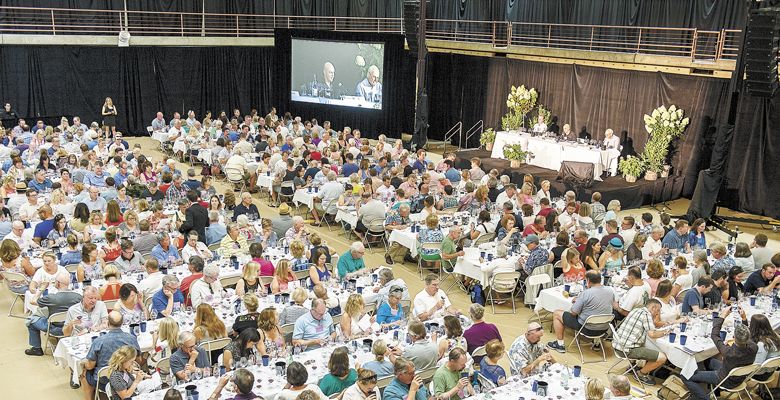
(370, 88)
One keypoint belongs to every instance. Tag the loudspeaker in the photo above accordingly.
(411, 23)
(762, 43)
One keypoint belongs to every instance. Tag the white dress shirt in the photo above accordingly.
(423, 302)
(200, 291)
(151, 284)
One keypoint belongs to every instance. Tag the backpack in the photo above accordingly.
(673, 388)
(476, 294)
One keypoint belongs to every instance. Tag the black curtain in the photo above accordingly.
(457, 93)
(43, 81)
(398, 86)
(752, 176)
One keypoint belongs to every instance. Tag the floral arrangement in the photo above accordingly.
(520, 102)
(487, 136)
(663, 125)
(515, 152)
(631, 166)
(369, 54)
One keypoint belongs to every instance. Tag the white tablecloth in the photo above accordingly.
(520, 387)
(551, 154)
(303, 197)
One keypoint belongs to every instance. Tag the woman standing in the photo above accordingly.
(109, 113)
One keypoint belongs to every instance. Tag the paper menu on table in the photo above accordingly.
(365, 324)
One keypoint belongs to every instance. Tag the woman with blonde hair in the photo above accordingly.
(364, 388)
(613, 207)
(298, 252)
(110, 290)
(282, 277)
(249, 282)
(585, 221)
(124, 375)
(165, 339)
(95, 227)
(544, 191)
(207, 325)
(382, 364)
(489, 367)
(526, 195)
(109, 113)
(272, 339)
(291, 313)
(130, 224)
(60, 204)
(481, 201)
(353, 313)
(594, 389)
(248, 320)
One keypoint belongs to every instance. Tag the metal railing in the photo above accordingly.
(694, 44)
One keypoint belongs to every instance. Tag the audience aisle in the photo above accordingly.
(39, 377)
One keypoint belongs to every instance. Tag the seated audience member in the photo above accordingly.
(683, 280)
(723, 261)
(595, 300)
(448, 382)
(297, 376)
(188, 357)
(216, 229)
(620, 388)
(102, 349)
(630, 338)
(340, 376)
(761, 254)
(670, 312)
(677, 238)
(152, 283)
(242, 379)
(432, 302)
(762, 280)
(694, 298)
(388, 281)
(165, 300)
(380, 366)
(743, 257)
(207, 287)
(47, 304)
(480, 332)
(721, 289)
(612, 232)
(390, 313)
(636, 296)
(234, 243)
(406, 385)
(364, 388)
(489, 367)
(314, 328)
(351, 263)
(165, 252)
(526, 355)
(423, 352)
(742, 352)
(123, 377)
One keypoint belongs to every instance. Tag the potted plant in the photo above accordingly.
(520, 102)
(631, 167)
(515, 154)
(487, 138)
(663, 125)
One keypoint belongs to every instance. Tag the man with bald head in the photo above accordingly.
(370, 88)
(54, 301)
(326, 88)
(314, 328)
(102, 348)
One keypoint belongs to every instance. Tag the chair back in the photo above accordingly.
(302, 273)
(504, 282)
(337, 319)
(58, 317)
(741, 372)
(769, 365)
(229, 281)
(287, 331)
(370, 308)
(539, 279)
(102, 373)
(148, 303)
(233, 173)
(72, 268)
(406, 305)
(266, 280)
(110, 304)
(382, 383)
(377, 226)
(479, 352)
(164, 366)
(214, 345)
(680, 296)
(427, 375)
(430, 246)
(10, 276)
(484, 238)
(214, 246)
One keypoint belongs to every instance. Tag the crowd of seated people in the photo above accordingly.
(83, 213)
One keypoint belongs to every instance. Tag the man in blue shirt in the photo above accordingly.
(163, 301)
(677, 238)
(96, 178)
(419, 164)
(215, 231)
(351, 263)
(45, 226)
(40, 183)
(164, 251)
(188, 355)
(762, 280)
(694, 298)
(95, 201)
(406, 385)
(452, 174)
(121, 176)
(349, 166)
(103, 347)
(315, 327)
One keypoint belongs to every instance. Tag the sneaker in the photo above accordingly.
(74, 385)
(646, 379)
(34, 351)
(557, 347)
(388, 259)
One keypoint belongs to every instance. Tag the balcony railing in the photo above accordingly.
(693, 44)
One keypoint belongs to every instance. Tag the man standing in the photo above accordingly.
(595, 300)
(49, 304)
(351, 263)
(406, 385)
(447, 381)
(630, 339)
(196, 218)
(526, 355)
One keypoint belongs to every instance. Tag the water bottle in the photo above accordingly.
(475, 384)
(314, 88)
(565, 377)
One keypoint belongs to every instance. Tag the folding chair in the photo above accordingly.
(426, 246)
(478, 352)
(406, 305)
(110, 304)
(235, 176)
(56, 318)
(632, 367)
(102, 373)
(503, 282)
(303, 272)
(484, 238)
(150, 130)
(288, 186)
(382, 383)
(287, 331)
(370, 308)
(72, 268)
(229, 281)
(164, 366)
(769, 366)
(592, 320)
(540, 279)
(376, 230)
(427, 375)
(214, 345)
(8, 278)
(680, 296)
(214, 247)
(739, 372)
(530, 290)
(325, 214)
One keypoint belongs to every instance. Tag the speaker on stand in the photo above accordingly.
(762, 44)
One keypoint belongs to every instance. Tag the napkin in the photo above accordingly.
(151, 384)
(365, 324)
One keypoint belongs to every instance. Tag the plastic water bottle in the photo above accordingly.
(475, 384)
(565, 377)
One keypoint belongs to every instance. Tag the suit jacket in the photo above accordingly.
(196, 219)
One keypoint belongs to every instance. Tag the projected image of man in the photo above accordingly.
(325, 88)
(370, 88)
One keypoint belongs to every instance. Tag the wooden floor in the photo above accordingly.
(39, 377)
